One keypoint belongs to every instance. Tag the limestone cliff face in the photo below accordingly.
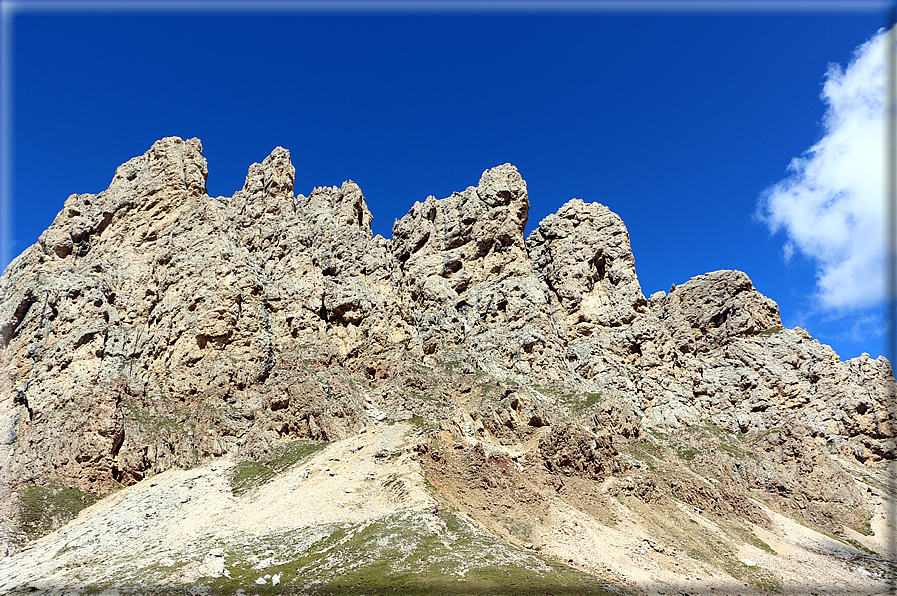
(153, 325)
(583, 255)
(465, 268)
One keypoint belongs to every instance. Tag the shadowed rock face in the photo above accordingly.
(152, 325)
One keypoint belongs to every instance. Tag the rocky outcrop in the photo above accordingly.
(180, 314)
(792, 465)
(153, 326)
(583, 255)
(572, 450)
(465, 268)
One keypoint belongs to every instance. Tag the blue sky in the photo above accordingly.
(684, 123)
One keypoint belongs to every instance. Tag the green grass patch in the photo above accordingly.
(488, 389)
(725, 444)
(647, 453)
(591, 400)
(717, 431)
(573, 400)
(750, 538)
(859, 546)
(422, 398)
(414, 553)
(769, 331)
(45, 508)
(451, 366)
(424, 424)
(735, 451)
(766, 433)
(866, 529)
(154, 422)
(289, 454)
(648, 447)
(250, 474)
(765, 581)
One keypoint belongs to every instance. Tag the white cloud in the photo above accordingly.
(831, 207)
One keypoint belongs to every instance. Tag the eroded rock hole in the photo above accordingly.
(420, 243)
(599, 266)
(719, 319)
(63, 250)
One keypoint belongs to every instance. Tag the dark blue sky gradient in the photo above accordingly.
(676, 122)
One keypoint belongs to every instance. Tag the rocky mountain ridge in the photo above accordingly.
(153, 326)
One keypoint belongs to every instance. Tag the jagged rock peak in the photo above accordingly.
(346, 203)
(169, 177)
(171, 163)
(273, 178)
(502, 185)
(458, 225)
(720, 304)
(266, 317)
(583, 254)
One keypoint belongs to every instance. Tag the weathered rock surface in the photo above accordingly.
(153, 326)
(465, 268)
(583, 255)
